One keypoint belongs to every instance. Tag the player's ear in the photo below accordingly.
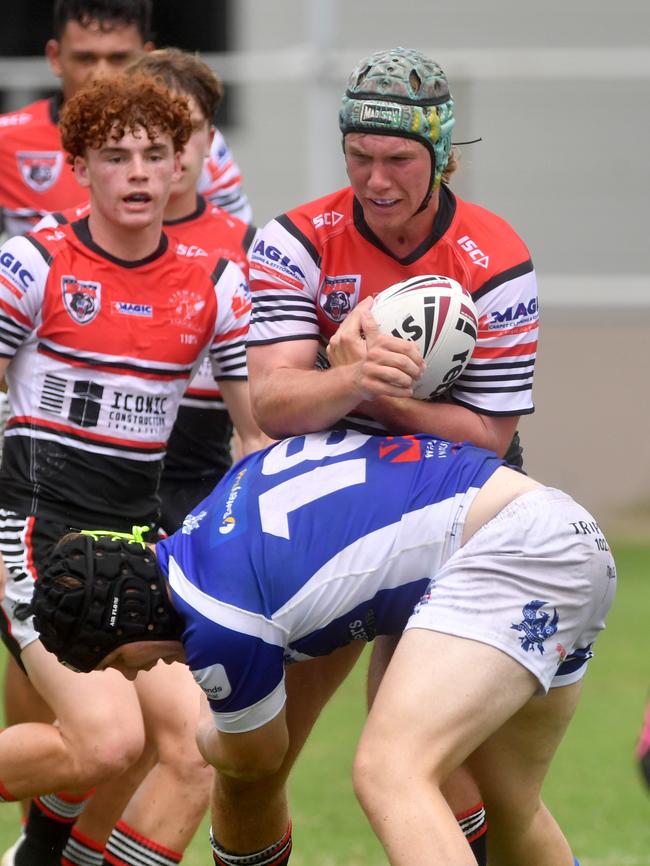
(149, 46)
(210, 139)
(80, 169)
(53, 53)
(178, 170)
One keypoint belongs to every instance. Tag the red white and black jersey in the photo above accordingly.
(205, 236)
(200, 442)
(312, 265)
(221, 182)
(35, 176)
(101, 352)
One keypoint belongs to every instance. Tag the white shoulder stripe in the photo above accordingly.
(235, 618)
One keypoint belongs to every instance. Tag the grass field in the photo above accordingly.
(594, 788)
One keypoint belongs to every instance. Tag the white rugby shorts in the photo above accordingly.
(536, 582)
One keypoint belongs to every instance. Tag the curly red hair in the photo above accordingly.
(115, 106)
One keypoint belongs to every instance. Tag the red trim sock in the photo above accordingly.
(276, 854)
(473, 823)
(81, 850)
(126, 847)
(64, 808)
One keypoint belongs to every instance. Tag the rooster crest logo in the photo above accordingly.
(536, 627)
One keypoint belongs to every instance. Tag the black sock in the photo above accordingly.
(45, 834)
(474, 826)
(479, 848)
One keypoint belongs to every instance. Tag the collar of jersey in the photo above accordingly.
(442, 221)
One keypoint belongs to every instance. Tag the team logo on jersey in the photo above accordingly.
(536, 627)
(400, 449)
(82, 299)
(337, 295)
(40, 169)
(187, 306)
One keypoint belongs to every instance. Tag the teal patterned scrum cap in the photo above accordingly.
(401, 92)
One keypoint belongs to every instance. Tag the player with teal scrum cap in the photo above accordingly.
(315, 357)
(402, 92)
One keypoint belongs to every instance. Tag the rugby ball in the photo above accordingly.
(437, 314)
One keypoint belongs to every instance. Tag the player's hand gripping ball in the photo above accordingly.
(437, 314)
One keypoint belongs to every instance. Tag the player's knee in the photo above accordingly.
(254, 768)
(108, 755)
(378, 771)
(186, 767)
(371, 771)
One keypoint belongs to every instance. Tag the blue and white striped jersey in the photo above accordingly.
(314, 542)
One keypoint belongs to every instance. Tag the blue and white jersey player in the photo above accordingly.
(331, 537)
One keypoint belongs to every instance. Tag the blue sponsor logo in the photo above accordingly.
(516, 314)
(11, 265)
(273, 254)
(126, 308)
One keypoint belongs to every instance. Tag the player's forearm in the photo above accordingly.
(445, 420)
(253, 441)
(291, 402)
